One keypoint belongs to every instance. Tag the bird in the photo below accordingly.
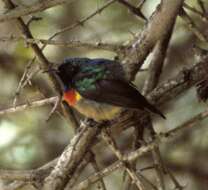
(98, 88)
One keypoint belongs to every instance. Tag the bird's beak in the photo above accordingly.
(50, 70)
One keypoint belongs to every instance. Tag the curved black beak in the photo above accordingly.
(50, 70)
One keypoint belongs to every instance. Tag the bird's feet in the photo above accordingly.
(92, 123)
(89, 122)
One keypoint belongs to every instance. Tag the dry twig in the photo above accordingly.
(27, 10)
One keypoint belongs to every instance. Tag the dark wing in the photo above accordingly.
(118, 93)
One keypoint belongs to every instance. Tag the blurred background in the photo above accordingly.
(28, 141)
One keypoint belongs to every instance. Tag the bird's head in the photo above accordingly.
(68, 69)
(66, 72)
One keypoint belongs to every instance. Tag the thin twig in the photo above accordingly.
(196, 11)
(192, 26)
(159, 167)
(72, 43)
(27, 105)
(44, 63)
(178, 186)
(155, 70)
(19, 87)
(101, 185)
(78, 171)
(110, 142)
(42, 59)
(55, 106)
(81, 22)
(36, 7)
(202, 6)
(137, 142)
(163, 137)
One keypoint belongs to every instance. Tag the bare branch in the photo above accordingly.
(27, 10)
(79, 170)
(44, 63)
(157, 62)
(65, 169)
(101, 185)
(73, 43)
(42, 59)
(129, 157)
(70, 159)
(202, 6)
(157, 27)
(155, 70)
(179, 83)
(82, 21)
(196, 11)
(192, 26)
(110, 142)
(163, 137)
(32, 104)
(25, 79)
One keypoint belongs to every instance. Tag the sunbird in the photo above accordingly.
(98, 88)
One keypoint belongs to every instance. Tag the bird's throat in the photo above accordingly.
(71, 97)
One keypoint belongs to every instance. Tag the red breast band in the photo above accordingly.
(70, 97)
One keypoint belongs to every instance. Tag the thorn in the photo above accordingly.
(56, 104)
(32, 19)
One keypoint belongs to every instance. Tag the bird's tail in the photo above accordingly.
(153, 109)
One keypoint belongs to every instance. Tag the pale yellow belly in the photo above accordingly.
(97, 111)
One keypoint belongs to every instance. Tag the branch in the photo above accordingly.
(157, 62)
(182, 81)
(155, 70)
(82, 165)
(25, 177)
(202, 6)
(157, 27)
(163, 92)
(44, 63)
(73, 43)
(32, 104)
(110, 142)
(80, 144)
(27, 10)
(163, 137)
(196, 11)
(42, 59)
(69, 114)
(82, 21)
(70, 158)
(25, 79)
(192, 26)
(101, 185)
